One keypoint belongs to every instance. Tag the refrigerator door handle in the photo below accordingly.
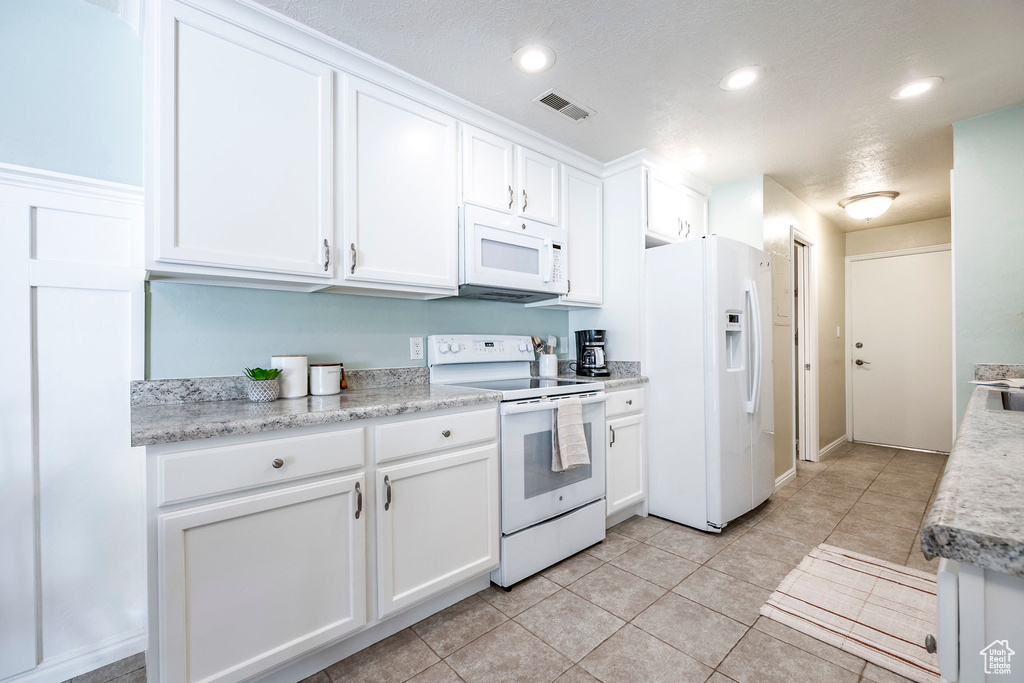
(754, 328)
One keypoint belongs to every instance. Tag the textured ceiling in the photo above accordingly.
(821, 122)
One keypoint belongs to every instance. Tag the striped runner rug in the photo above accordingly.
(873, 609)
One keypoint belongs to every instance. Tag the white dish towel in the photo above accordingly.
(568, 440)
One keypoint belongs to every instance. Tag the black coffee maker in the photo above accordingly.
(590, 358)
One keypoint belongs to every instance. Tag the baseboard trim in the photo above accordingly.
(784, 479)
(835, 444)
(82, 662)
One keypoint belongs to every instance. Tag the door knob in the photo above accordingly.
(859, 345)
(862, 362)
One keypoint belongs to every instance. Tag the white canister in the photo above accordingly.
(548, 365)
(325, 379)
(294, 374)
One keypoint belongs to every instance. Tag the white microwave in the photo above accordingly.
(505, 258)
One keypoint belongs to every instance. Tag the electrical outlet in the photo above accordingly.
(563, 344)
(416, 348)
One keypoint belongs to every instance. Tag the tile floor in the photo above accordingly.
(663, 603)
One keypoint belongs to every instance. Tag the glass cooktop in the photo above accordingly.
(534, 387)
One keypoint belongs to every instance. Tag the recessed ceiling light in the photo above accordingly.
(741, 78)
(696, 160)
(915, 88)
(867, 206)
(532, 59)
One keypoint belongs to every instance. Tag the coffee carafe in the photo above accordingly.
(590, 358)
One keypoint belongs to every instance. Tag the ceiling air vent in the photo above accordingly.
(564, 106)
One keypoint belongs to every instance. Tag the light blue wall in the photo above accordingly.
(70, 90)
(988, 243)
(203, 331)
(736, 210)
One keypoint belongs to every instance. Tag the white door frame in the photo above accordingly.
(808, 316)
(849, 322)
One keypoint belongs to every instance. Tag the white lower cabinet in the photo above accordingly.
(626, 455)
(437, 524)
(252, 582)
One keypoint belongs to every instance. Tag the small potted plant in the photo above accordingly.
(263, 384)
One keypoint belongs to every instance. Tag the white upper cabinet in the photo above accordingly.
(399, 203)
(538, 186)
(694, 214)
(663, 206)
(509, 178)
(581, 216)
(488, 163)
(245, 173)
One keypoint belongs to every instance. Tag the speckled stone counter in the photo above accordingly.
(168, 423)
(616, 381)
(978, 514)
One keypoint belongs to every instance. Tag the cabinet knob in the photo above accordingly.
(930, 644)
(446, 433)
(629, 401)
(278, 463)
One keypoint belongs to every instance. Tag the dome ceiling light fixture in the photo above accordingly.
(867, 206)
(741, 78)
(915, 88)
(532, 59)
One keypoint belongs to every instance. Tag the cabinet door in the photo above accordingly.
(245, 169)
(437, 525)
(581, 216)
(694, 214)
(400, 201)
(487, 170)
(538, 186)
(663, 206)
(627, 463)
(252, 582)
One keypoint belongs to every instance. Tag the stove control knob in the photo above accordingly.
(522, 346)
(442, 347)
(456, 347)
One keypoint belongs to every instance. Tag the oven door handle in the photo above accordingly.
(517, 408)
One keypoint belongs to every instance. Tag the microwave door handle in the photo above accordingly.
(518, 408)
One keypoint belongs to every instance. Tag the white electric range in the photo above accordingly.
(546, 516)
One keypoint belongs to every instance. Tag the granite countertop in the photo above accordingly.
(171, 422)
(978, 514)
(616, 381)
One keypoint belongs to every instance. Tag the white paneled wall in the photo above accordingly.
(72, 574)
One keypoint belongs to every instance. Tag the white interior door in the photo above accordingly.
(901, 350)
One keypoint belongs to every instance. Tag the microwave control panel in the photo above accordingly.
(556, 263)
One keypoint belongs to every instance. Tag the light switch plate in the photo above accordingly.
(416, 348)
(563, 344)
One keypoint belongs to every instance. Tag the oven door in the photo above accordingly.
(530, 491)
(512, 253)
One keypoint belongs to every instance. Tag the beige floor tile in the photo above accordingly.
(810, 467)
(809, 644)
(911, 469)
(785, 492)
(567, 571)
(852, 462)
(640, 528)
(878, 531)
(725, 594)
(570, 624)
(881, 548)
(919, 478)
(759, 658)
(876, 674)
(617, 591)
(848, 478)
(807, 525)
(693, 545)
(916, 561)
(883, 500)
(920, 492)
(318, 677)
(872, 513)
(611, 547)
(439, 673)
(838, 499)
(392, 660)
(632, 656)
(451, 628)
(655, 565)
(869, 449)
(718, 677)
(754, 568)
(576, 675)
(508, 654)
(772, 545)
(523, 595)
(761, 511)
(693, 629)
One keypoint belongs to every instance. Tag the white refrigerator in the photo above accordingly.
(711, 453)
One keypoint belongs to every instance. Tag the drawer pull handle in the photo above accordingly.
(629, 401)
(359, 500)
(446, 433)
(387, 489)
(612, 430)
(278, 463)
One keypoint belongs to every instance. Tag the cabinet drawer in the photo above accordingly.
(412, 437)
(626, 401)
(194, 474)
